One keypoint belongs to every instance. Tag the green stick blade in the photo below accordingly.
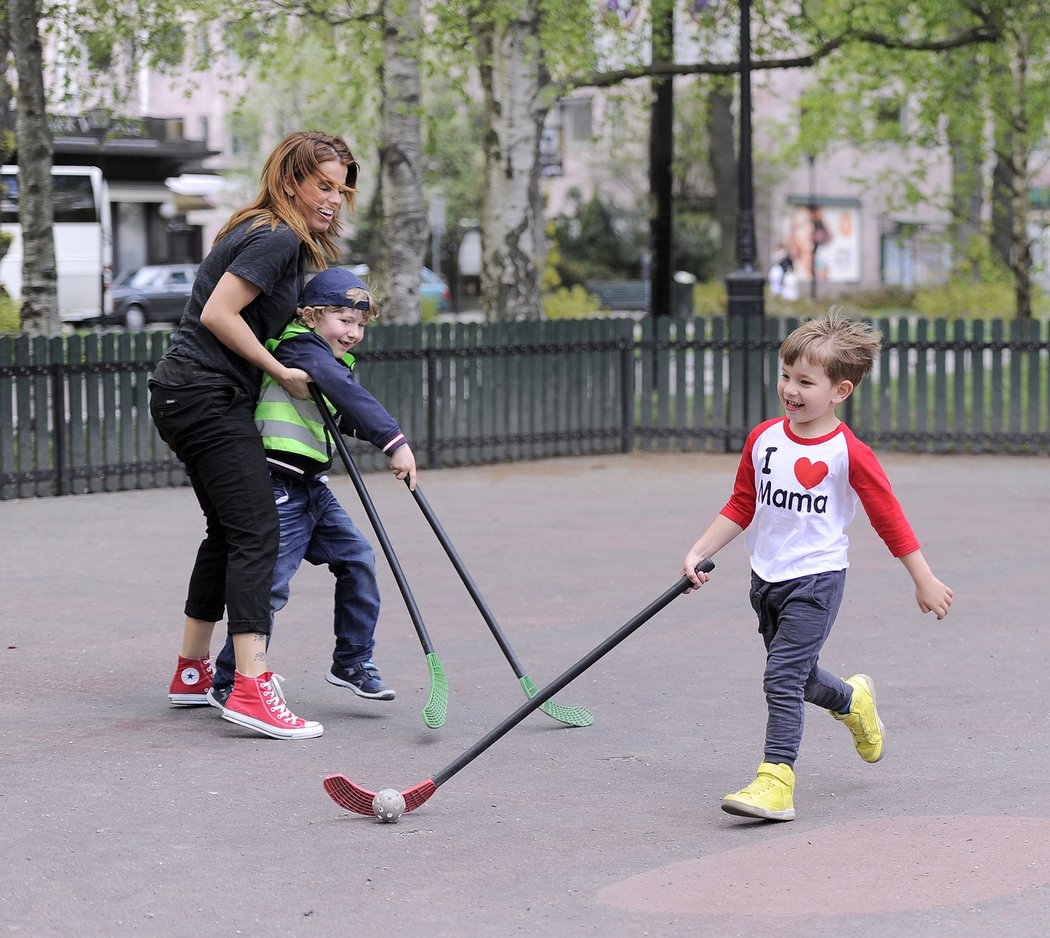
(570, 716)
(436, 709)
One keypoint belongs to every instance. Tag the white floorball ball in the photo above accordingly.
(388, 805)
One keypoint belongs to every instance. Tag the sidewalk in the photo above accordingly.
(123, 816)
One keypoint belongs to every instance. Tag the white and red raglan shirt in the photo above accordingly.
(796, 497)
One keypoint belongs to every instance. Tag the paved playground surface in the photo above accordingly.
(123, 816)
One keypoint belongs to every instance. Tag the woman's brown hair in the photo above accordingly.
(295, 160)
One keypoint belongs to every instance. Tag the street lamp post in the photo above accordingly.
(661, 177)
(745, 286)
(812, 160)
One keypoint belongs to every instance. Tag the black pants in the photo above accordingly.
(212, 431)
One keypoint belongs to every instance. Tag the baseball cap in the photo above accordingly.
(330, 287)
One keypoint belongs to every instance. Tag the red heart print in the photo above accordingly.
(809, 473)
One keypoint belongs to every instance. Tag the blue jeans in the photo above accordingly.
(795, 619)
(314, 527)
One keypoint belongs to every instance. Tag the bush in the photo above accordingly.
(709, 298)
(960, 298)
(886, 298)
(981, 287)
(571, 303)
(10, 320)
(966, 299)
(595, 241)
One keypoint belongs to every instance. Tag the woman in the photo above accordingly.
(203, 395)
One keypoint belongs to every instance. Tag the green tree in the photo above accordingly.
(527, 54)
(788, 36)
(986, 103)
(348, 68)
(33, 134)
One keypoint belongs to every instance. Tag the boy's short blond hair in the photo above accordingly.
(355, 298)
(843, 347)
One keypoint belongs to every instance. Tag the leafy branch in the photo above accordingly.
(985, 31)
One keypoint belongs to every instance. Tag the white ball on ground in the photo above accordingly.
(388, 805)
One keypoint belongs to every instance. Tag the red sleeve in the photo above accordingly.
(740, 509)
(869, 481)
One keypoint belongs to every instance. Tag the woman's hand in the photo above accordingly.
(296, 382)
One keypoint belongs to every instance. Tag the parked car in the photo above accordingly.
(434, 294)
(157, 293)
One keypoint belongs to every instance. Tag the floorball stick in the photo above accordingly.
(436, 707)
(353, 797)
(570, 716)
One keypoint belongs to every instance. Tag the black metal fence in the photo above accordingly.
(74, 414)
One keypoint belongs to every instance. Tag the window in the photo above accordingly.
(577, 124)
(551, 152)
(890, 116)
(914, 254)
(73, 198)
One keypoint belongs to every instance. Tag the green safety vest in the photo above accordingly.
(290, 425)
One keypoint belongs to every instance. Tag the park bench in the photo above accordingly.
(621, 295)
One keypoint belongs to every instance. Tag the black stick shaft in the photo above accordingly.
(468, 581)
(373, 517)
(568, 676)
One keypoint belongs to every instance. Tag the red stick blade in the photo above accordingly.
(348, 795)
(418, 794)
(353, 797)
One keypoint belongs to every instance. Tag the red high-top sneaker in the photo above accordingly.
(192, 681)
(256, 704)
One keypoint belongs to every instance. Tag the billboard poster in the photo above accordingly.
(823, 239)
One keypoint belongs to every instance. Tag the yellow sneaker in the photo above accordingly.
(863, 719)
(770, 796)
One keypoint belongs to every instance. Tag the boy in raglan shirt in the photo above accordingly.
(334, 310)
(797, 487)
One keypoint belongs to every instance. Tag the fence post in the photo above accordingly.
(737, 383)
(432, 448)
(626, 393)
(58, 423)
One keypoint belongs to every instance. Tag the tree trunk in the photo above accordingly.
(403, 230)
(966, 154)
(721, 137)
(512, 77)
(6, 91)
(1021, 256)
(6, 105)
(39, 278)
(1002, 202)
(966, 199)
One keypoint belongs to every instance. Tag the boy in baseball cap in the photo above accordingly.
(336, 306)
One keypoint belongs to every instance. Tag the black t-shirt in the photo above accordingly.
(273, 260)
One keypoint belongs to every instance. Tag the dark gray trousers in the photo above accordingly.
(795, 619)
